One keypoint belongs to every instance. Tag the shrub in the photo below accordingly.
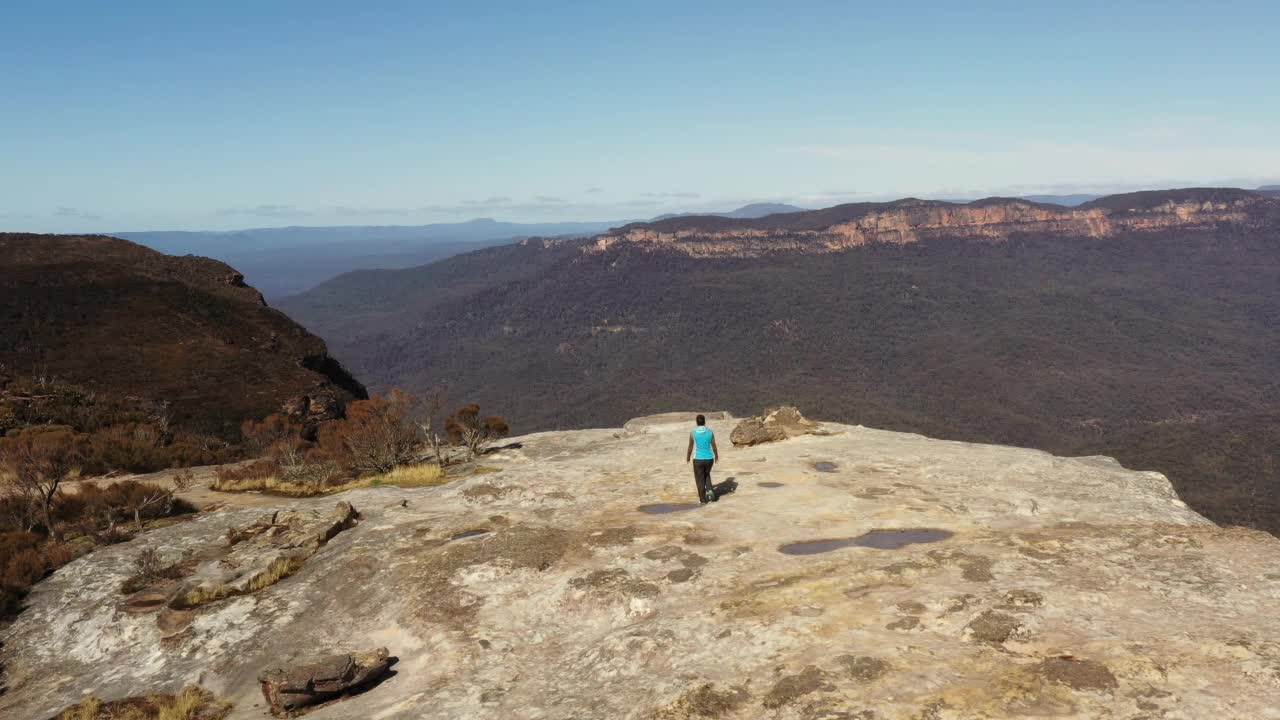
(234, 478)
(141, 447)
(262, 435)
(125, 500)
(22, 564)
(36, 462)
(376, 436)
(149, 568)
(476, 433)
(93, 513)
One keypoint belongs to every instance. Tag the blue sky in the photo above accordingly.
(163, 115)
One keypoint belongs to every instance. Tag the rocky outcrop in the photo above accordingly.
(912, 221)
(181, 331)
(311, 410)
(773, 425)
(289, 689)
(252, 557)
(577, 577)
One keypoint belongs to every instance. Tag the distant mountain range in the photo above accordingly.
(288, 260)
(280, 261)
(754, 210)
(1145, 326)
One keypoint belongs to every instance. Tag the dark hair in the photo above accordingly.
(701, 419)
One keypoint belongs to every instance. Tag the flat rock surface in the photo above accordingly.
(1055, 588)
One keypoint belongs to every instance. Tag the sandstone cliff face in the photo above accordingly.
(913, 221)
(1011, 584)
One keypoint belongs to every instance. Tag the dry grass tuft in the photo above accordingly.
(252, 484)
(411, 476)
(279, 569)
(406, 476)
(192, 703)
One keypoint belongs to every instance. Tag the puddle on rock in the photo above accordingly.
(825, 466)
(664, 508)
(877, 539)
(770, 484)
(467, 534)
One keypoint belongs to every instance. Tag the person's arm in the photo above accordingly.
(688, 453)
(714, 450)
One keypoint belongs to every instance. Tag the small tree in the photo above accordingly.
(37, 460)
(476, 433)
(376, 436)
(431, 423)
(262, 435)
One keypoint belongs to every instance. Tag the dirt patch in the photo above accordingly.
(519, 546)
(611, 537)
(873, 493)
(680, 576)
(863, 668)
(792, 687)
(1021, 600)
(1078, 674)
(704, 701)
(993, 627)
(977, 569)
(910, 622)
(692, 560)
(974, 568)
(485, 492)
(614, 582)
(959, 603)
(696, 537)
(666, 552)
(911, 607)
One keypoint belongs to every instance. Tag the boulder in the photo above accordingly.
(288, 689)
(313, 409)
(773, 425)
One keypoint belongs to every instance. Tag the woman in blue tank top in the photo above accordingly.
(703, 451)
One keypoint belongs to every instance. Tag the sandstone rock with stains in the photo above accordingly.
(1113, 600)
(771, 426)
(299, 686)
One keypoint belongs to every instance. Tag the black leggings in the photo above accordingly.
(702, 477)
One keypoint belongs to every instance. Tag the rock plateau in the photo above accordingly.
(1015, 584)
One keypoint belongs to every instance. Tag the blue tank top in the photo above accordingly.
(702, 443)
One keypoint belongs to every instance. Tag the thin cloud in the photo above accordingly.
(549, 199)
(267, 211)
(70, 212)
(672, 195)
(594, 190)
(346, 211)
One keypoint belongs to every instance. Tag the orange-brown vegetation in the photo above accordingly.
(376, 436)
(379, 441)
(92, 516)
(473, 431)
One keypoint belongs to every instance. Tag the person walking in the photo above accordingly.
(704, 453)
